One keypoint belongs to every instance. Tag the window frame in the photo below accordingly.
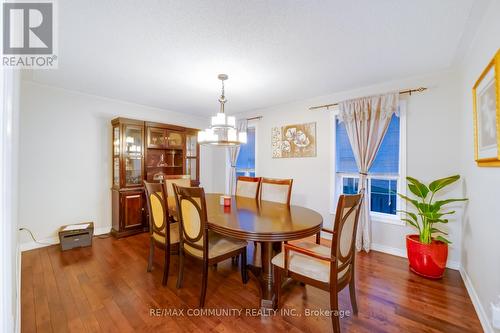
(337, 178)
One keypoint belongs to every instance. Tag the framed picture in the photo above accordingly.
(294, 141)
(486, 96)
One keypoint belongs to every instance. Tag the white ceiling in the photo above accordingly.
(167, 54)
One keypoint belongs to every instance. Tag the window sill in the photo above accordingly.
(386, 218)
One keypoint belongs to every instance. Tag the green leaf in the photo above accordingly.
(435, 216)
(443, 182)
(442, 239)
(411, 223)
(437, 230)
(413, 201)
(417, 188)
(439, 221)
(427, 208)
(410, 214)
(441, 203)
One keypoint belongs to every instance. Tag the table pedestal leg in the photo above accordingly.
(267, 299)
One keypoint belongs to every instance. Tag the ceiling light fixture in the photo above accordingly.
(223, 130)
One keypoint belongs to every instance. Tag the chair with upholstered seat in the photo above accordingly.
(163, 234)
(276, 190)
(330, 269)
(200, 243)
(179, 180)
(248, 187)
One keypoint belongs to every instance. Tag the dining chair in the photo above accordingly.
(180, 180)
(276, 190)
(162, 233)
(248, 187)
(330, 269)
(200, 243)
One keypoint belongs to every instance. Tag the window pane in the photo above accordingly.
(387, 160)
(345, 161)
(246, 173)
(383, 196)
(246, 157)
(350, 185)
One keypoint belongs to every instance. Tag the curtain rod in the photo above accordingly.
(402, 92)
(254, 118)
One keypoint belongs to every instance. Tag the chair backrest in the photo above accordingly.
(248, 187)
(179, 180)
(192, 210)
(156, 198)
(344, 233)
(276, 190)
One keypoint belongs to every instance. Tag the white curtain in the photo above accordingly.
(233, 153)
(366, 120)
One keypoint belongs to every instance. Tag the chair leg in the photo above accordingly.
(318, 238)
(334, 307)
(244, 273)
(277, 247)
(204, 284)
(181, 268)
(166, 266)
(234, 260)
(352, 293)
(151, 254)
(277, 285)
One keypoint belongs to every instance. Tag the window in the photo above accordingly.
(384, 176)
(245, 165)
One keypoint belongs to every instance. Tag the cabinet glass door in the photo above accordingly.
(116, 156)
(191, 145)
(133, 155)
(191, 167)
(192, 156)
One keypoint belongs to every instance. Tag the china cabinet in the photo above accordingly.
(146, 151)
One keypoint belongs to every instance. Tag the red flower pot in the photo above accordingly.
(428, 260)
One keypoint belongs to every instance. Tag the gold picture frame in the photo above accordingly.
(486, 99)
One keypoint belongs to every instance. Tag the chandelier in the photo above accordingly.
(222, 130)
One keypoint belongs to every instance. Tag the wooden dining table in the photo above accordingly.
(265, 222)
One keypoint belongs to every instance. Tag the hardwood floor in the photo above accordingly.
(106, 289)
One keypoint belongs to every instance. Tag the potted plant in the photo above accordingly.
(428, 251)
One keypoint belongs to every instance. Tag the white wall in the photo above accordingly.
(65, 162)
(481, 229)
(432, 150)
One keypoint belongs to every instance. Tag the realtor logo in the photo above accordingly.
(28, 35)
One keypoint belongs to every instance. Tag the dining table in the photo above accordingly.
(265, 222)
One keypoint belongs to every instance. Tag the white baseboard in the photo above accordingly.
(55, 240)
(402, 253)
(389, 250)
(481, 312)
